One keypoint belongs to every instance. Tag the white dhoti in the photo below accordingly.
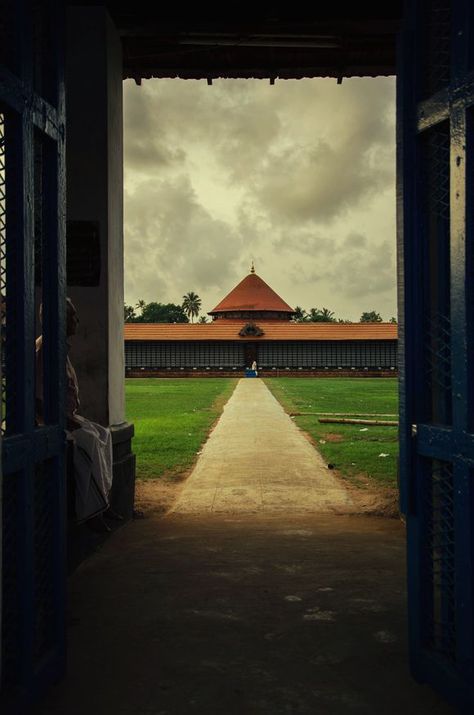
(92, 443)
(92, 458)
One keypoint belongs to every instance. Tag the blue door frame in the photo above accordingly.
(32, 270)
(435, 156)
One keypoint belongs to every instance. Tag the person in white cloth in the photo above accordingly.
(92, 443)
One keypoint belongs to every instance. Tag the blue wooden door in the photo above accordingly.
(436, 252)
(32, 273)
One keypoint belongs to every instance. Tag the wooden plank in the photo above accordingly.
(351, 421)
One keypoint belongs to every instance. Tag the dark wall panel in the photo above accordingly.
(356, 353)
(183, 354)
(350, 353)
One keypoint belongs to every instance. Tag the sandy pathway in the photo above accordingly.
(257, 460)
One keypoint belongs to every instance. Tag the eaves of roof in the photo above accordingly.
(272, 330)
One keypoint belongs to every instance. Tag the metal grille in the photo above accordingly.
(11, 625)
(38, 207)
(44, 493)
(438, 576)
(438, 366)
(9, 45)
(437, 53)
(11, 276)
(44, 74)
(436, 248)
(3, 274)
(183, 354)
(436, 171)
(325, 353)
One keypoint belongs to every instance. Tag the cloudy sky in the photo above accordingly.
(298, 176)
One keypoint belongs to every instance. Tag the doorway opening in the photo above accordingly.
(272, 180)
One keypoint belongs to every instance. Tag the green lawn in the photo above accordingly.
(172, 419)
(353, 449)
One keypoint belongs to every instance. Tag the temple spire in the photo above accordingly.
(252, 298)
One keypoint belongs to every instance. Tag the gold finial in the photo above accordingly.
(252, 268)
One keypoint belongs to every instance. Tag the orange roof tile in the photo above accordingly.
(273, 330)
(252, 293)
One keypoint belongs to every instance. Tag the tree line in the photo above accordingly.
(154, 312)
(324, 315)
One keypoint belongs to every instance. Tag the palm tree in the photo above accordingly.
(300, 315)
(327, 315)
(314, 315)
(140, 305)
(321, 315)
(128, 313)
(191, 305)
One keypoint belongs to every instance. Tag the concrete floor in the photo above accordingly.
(250, 597)
(242, 615)
(257, 460)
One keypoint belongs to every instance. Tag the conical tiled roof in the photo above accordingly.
(252, 294)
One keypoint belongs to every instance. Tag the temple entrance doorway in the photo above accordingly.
(251, 354)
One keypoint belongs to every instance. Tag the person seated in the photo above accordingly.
(91, 442)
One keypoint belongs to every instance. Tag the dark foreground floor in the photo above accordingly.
(272, 615)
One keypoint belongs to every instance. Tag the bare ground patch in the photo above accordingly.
(373, 500)
(332, 437)
(369, 498)
(157, 496)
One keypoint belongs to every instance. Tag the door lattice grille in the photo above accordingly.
(11, 268)
(439, 559)
(3, 272)
(436, 260)
(437, 46)
(44, 492)
(438, 352)
(436, 174)
(11, 626)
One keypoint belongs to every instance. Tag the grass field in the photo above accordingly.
(172, 419)
(352, 449)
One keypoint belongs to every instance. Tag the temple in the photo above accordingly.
(253, 323)
(252, 299)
